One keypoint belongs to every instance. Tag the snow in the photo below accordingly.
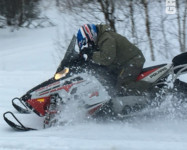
(27, 58)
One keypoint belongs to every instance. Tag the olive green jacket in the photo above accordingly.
(114, 49)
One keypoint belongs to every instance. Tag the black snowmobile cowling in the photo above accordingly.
(79, 80)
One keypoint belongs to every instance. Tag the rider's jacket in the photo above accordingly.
(114, 50)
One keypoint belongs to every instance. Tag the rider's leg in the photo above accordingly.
(126, 82)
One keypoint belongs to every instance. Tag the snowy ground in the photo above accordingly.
(26, 59)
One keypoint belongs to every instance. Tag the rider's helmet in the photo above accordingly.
(87, 36)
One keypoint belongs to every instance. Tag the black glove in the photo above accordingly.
(88, 51)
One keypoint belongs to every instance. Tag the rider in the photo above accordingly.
(108, 48)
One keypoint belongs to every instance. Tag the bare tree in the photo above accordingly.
(17, 12)
(181, 20)
(163, 30)
(133, 26)
(108, 9)
(179, 25)
(134, 19)
(184, 26)
(57, 3)
(148, 28)
(105, 7)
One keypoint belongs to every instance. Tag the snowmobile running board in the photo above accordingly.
(19, 126)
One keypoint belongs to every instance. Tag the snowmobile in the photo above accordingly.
(80, 80)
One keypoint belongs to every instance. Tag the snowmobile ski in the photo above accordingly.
(20, 109)
(19, 126)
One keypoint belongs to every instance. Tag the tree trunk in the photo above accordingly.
(21, 5)
(108, 8)
(133, 27)
(148, 30)
(164, 31)
(57, 3)
(184, 27)
(179, 26)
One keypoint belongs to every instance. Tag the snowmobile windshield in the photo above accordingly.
(62, 73)
(70, 56)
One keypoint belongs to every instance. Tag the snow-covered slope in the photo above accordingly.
(28, 57)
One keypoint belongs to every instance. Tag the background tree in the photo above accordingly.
(148, 27)
(18, 12)
(181, 20)
(108, 9)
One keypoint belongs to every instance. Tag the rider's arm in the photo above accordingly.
(107, 50)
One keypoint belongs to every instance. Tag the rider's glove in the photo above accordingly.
(88, 51)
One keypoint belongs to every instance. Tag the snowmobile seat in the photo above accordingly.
(152, 67)
(180, 59)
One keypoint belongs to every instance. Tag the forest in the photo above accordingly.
(155, 26)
